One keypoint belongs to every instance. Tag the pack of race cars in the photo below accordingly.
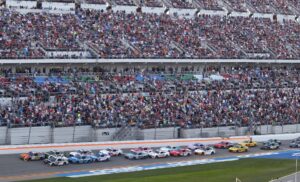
(56, 158)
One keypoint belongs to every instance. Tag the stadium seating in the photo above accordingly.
(227, 96)
(121, 35)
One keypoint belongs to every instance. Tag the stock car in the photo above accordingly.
(270, 146)
(53, 153)
(142, 149)
(273, 141)
(100, 157)
(80, 159)
(169, 148)
(136, 155)
(223, 145)
(196, 146)
(238, 148)
(295, 144)
(205, 151)
(53, 160)
(180, 152)
(112, 152)
(32, 156)
(249, 143)
(159, 154)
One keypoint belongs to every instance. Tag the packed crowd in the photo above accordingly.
(121, 35)
(244, 96)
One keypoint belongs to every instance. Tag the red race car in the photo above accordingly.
(223, 145)
(180, 152)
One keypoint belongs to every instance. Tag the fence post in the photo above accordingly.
(29, 134)
(52, 133)
(74, 133)
(7, 135)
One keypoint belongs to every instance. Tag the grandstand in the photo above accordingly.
(150, 64)
(168, 29)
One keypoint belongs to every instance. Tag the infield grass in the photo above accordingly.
(247, 170)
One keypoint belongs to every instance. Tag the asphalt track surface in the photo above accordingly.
(14, 169)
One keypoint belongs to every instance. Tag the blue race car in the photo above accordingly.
(79, 159)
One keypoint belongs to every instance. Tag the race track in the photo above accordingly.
(14, 169)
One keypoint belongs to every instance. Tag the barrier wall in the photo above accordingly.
(40, 135)
(19, 136)
(46, 135)
(3, 131)
(14, 149)
(159, 133)
(208, 132)
(63, 135)
(104, 134)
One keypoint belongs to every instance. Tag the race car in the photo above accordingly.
(295, 144)
(196, 146)
(53, 153)
(112, 152)
(53, 160)
(136, 155)
(249, 143)
(142, 149)
(85, 152)
(80, 159)
(223, 145)
(169, 148)
(273, 141)
(159, 154)
(205, 151)
(180, 152)
(100, 157)
(32, 156)
(238, 148)
(270, 146)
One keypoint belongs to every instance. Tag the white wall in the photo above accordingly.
(153, 10)
(58, 6)
(83, 134)
(127, 9)
(19, 136)
(40, 135)
(25, 4)
(94, 6)
(3, 135)
(63, 135)
(105, 134)
(159, 133)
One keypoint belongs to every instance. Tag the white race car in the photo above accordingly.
(142, 149)
(169, 148)
(56, 161)
(159, 154)
(205, 151)
(101, 157)
(112, 152)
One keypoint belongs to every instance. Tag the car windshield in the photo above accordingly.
(52, 159)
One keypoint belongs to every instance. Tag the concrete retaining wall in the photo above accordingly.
(40, 135)
(63, 135)
(208, 132)
(19, 136)
(160, 133)
(106, 134)
(3, 131)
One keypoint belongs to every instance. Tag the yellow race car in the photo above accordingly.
(249, 143)
(238, 148)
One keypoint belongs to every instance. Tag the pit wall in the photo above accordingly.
(80, 134)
